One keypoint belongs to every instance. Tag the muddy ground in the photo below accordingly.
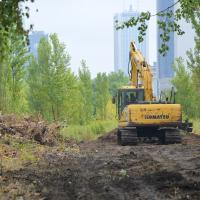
(102, 170)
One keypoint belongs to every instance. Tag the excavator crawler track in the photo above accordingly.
(172, 136)
(127, 137)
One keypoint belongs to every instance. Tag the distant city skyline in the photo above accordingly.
(86, 27)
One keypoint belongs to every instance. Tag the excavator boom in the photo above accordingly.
(140, 74)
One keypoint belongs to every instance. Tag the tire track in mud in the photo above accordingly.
(103, 171)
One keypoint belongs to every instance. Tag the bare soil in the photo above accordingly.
(102, 170)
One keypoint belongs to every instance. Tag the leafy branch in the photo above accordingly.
(168, 21)
(12, 14)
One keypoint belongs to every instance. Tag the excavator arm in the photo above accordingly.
(140, 73)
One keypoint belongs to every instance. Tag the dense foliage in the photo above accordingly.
(12, 73)
(186, 92)
(12, 14)
(50, 79)
(86, 103)
(46, 87)
(187, 79)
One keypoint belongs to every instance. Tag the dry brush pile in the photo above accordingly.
(31, 129)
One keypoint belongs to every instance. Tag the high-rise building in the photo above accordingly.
(122, 39)
(34, 39)
(165, 62)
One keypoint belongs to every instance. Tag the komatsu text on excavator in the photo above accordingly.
(139, 114)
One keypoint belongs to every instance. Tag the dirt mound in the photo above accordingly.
(30, 128)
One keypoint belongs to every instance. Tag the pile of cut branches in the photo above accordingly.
(30, 128)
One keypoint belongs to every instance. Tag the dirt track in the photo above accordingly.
(106, 171)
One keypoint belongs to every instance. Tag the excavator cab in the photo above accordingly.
(127, 96)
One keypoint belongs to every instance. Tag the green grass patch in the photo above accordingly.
(90, 131)
(196, 126)
(16, 152)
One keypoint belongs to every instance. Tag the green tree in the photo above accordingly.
(12, 35)
(12, 73)
(194, 57)
(186, 92)
(18, 53)
(116, 80)
(101, 95)
(5, 77)
(86, 92)
(38, 76)
(53, 86)
(12, 14)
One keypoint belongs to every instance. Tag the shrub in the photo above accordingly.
(88, 132)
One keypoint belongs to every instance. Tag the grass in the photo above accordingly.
(196, 126)
(15, 153)
(90, 131)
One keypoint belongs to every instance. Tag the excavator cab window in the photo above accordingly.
(126, 97)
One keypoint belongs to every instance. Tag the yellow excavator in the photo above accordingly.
(139, 114)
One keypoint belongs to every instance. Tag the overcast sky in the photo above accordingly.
(86, 27)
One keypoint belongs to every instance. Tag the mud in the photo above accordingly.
(102, 170)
